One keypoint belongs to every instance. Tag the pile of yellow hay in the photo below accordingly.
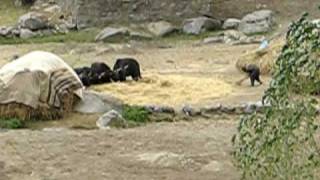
(265, 59)
(170, 90)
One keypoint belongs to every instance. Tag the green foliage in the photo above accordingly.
(12, 123)
(280, 143)
(135, 114)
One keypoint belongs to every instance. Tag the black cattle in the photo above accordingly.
(101, 73)
(84, 75)
(82, 70)
(85, 79)
(253, 72)
(126, 67)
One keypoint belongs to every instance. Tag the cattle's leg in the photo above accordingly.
(135, 76)
(252, 79)
(258, 79)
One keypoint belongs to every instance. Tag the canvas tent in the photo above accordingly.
(38, 85)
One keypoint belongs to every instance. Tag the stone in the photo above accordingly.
(15, 31)
(250, 108)
(212, 109)
(111, 118)
(231, 23)
(66, 25)
(161, 28)
(190, 111)
(94, 102)
(26, 34)
(213, 40)
(195, 26)
(33, 21)
(62, 28)
(110, 33)
(228, 109)
(239, 109)
(139, 35)
(5, 31)
(159, 109)
(257, 22)
(259, 106)
(167, 109)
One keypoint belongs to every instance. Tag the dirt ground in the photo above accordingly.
(195, 150)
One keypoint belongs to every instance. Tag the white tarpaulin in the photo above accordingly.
(38, 78)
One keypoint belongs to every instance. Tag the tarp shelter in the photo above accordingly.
(38, 85)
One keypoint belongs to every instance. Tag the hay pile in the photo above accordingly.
(264, 59)
(172, 90)
(43, 112)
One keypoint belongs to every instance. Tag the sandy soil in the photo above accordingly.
(185, 150)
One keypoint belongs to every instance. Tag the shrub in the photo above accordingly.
(12, 123)
(135, 114)
(280, 143)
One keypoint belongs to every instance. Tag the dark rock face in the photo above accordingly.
(101, 12)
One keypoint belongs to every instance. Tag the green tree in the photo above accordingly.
(280, 143)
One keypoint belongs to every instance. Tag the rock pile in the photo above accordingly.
(209, 111)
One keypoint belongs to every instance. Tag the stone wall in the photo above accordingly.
(103, 12)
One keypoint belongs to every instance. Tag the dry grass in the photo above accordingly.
(265, 60)
(170, 90)
(43, 112)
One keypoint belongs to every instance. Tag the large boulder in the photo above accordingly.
(26, 34)
(198, 25)
(257, 22)
(111, 118)
(231, 23)
(94, 102)
(33, 21)
(161, 28)
(110, 33)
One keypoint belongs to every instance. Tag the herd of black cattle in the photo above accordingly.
(100, 73)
